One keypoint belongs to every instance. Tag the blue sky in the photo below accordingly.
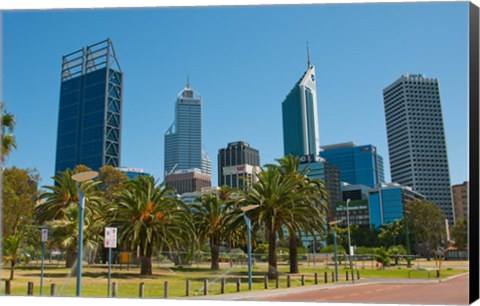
(243, 61)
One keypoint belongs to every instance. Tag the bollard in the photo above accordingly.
(165, 290)
(239, 284)
(222, 286)
(114, 289)
(438, 273)
(205, 287)
(333, 277)
(30, 288)
(265, 281)
(353, 276)
(188, 288)
(303, 280)
(346, 276)
(325, 277)
(358, 274)
(141, 290)
(316, 278)
(52, 289)
(277, 283)
(288, 281)
(8, 288)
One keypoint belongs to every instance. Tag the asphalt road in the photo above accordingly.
(453, 291)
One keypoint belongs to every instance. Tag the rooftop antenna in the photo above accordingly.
(188, 81)
(308, 56)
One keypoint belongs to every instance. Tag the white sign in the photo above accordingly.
(44, 234)
(110, 240)
(351, 251)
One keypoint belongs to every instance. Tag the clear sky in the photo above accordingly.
(243, 61)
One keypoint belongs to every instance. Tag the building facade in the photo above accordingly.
(460, 201)
(359, 213)
(238, 165)
(300, 123)
(183, 140)
(90, 115)
(360, 165)
(132, 173)
(416, 139)
(191, 180)
(387, 202)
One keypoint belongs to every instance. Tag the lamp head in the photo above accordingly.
(249, 207)
(84, 176)
(335, 222)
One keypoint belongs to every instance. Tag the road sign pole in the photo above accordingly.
(41, 274)
(109, 268)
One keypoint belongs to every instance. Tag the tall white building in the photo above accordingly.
(416, 139)
(183, 140)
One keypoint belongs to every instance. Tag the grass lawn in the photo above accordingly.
(94, 280)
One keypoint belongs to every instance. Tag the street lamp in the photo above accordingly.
(335, 245)
(349, 241)
(79, 178)
(249, 245)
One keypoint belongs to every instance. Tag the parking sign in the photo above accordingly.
(44, 234)
(110, 237)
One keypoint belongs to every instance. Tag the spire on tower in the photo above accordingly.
(308, 56)
(188, 81)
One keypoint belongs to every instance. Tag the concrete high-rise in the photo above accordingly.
(183, 140)
(238, 165)
(300, 123)
(416, 139)
(358, 165)
(460, 201)
(91, 97)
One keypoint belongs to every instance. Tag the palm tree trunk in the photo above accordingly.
(146, 261)
(71, 258)
(292, 244)
(272, 255)
(215, 250)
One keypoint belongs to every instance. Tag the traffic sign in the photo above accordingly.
(44, 234)
(110, 238)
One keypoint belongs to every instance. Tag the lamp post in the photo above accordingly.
(249, 245)
(407, 237)
(335, 246)
(44, 232)
(79, 178)
(349, 241)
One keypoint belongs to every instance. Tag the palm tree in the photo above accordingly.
(11, 251)
(8, 140)
(213, 221)
(148, 216)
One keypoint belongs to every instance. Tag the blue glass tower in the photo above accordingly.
(358, 165)
(89, 120)
(183, 140)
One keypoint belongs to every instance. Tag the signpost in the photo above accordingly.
(44, 239)
(110, 241)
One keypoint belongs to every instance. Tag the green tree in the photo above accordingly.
(148, 216)
(396, 251)
(391, 232)
(8, 139)
(112, 181)
(11, 251)
(382, 256)
(426, 222)
(460, 234)
(19, 197)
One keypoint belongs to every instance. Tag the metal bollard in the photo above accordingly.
(325, 277)
(222, 286)
(438, 273)
(333, 277)
(265, 282)
(239, 284)
(114, 289)
(277, 282)
(30, 288)
(187, 293)
(316, 278)
(52, 289)
(8, 288)
(165, 290)
(288, 281)
(346, 276)
(303, 280)
(358, 274)
(141, 290)
(205, 287)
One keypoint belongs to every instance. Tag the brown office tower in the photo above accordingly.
(460, 201)
(190, 180)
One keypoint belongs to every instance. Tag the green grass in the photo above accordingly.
(94, 280)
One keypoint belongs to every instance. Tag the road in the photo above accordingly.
(453, 291)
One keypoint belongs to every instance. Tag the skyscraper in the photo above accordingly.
(416, 139)
(300, 123)
(357, 164)
(89, 120)
(183, 140)
(238, 165)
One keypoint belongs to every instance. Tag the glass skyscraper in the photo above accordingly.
(183, 140)
(300, 123)
(236, 162)
(358, 165)
(89, 120)
(416, 139)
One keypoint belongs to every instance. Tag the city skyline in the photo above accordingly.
(263, 131)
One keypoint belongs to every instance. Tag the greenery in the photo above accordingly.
(382, 256)
(460, 234)
(8, 139)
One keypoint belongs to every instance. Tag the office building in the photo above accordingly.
(132, 173)
(194, 197)
(183, 140)
(190, 180)
(238, 165)
(358, 165)
(359, 213)
(387, 202)
(416, 139)
(91, 97)
(460, 201)
(300, 123)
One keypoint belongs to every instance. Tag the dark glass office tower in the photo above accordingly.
(238, 159)
(89, 120)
